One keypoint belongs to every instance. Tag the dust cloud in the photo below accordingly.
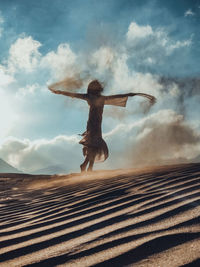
(165, 143)
(69, 83)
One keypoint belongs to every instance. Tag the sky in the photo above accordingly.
(150, 46)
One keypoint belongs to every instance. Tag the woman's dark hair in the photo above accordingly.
(94, 87)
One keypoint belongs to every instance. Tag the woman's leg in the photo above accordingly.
(84, 164)
(91, 163)
(91, 159)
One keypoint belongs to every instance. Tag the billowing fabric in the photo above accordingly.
(119, 101)
(94, 148)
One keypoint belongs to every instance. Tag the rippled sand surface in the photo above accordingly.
(138, 217)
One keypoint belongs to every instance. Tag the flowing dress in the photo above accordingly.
(94, 147)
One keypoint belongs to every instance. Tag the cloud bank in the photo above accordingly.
(160, 138)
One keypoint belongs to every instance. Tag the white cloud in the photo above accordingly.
(153, 44)
(5, 78)
(178, 45)
(189, 13)
(103, 58)
(121, 73)
(174, 90)
(138, 32)
(25, 58)
(29, 155)
(147, 83)
(126, 80)
(24, 55)
(27, 90)
(150, 60)
(61, 62)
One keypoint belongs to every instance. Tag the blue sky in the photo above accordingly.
(75, 22)
(144, 46)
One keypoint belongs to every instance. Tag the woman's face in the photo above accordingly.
(95, 88)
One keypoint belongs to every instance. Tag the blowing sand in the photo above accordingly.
(143, 217)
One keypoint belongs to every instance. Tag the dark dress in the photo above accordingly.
(94, 147)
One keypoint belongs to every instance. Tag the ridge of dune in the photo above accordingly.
(136, 217)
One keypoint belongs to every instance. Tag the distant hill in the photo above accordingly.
(55, 169)
(7, 168)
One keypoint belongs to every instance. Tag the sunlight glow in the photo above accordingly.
(7, 115)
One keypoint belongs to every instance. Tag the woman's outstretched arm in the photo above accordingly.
(150, 97)
(73, 95)
(121, 99)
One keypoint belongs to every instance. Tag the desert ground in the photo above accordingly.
(136, 217)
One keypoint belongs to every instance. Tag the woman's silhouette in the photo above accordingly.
(94, 147)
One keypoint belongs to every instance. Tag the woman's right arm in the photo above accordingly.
(73, 95)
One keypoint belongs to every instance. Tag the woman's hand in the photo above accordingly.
(54, 91)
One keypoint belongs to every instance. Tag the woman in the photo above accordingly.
(94, 147)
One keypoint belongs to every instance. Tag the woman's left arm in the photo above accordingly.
(121, 99)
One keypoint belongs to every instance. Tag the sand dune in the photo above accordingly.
(143, 217)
